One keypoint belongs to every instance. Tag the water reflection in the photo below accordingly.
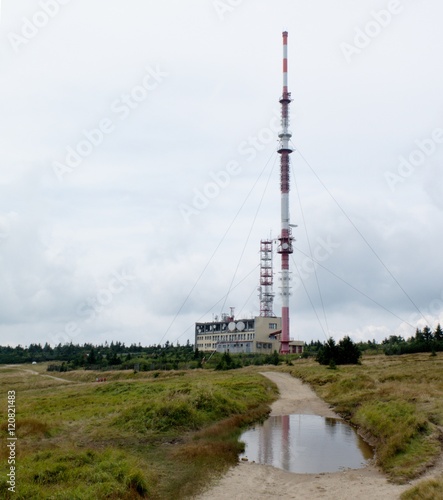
(306, 444)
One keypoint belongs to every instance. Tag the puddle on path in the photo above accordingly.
(306, 444)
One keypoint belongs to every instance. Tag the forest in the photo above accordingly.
(169, 356)
(425, 340)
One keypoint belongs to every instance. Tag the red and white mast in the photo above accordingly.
(285, 239)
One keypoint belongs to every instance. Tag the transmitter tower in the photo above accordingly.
(285, 239)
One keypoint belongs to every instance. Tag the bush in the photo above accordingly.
(227, 363)
(273, 359)
(345, 353)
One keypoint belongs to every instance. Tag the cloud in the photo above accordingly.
(118, 210)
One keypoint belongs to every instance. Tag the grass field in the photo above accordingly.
(397, 403)
(156, 435)
(163, 435)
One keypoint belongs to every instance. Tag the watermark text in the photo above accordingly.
(365, 35)
(416, 158)
(11, 443)
(224, 7)
(122, 108)
(31, 26)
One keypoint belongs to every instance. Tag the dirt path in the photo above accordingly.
(262, 482)
(33, 372)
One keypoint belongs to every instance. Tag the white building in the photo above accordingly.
(256, 335)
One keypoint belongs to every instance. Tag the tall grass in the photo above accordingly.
(431, 489)
(396, 402)
(146, 435)
(78, 474)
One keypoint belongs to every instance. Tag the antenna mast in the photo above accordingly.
(266, 280)
(285, 239)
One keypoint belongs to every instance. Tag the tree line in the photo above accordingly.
(97, 356)
(117, 355)
(168, 356)
(424, 340)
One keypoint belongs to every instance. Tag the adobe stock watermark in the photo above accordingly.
(434, 311)
(322, 252)
(32, 26)
(220, 180)
(121, 108)
(11, 442)
(365, 35)
(416, 158)
(92, 307)
(224, 7)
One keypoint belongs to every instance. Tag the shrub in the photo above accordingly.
(345, 353)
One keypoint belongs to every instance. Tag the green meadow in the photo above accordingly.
(164, 435)
(155, 435)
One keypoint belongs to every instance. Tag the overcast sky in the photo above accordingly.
(138, 166)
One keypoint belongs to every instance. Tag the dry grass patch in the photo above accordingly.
(31, 427)
(431, 489)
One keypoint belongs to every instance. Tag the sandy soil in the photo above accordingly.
(260, 482)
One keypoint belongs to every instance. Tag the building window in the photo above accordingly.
(273, 326)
